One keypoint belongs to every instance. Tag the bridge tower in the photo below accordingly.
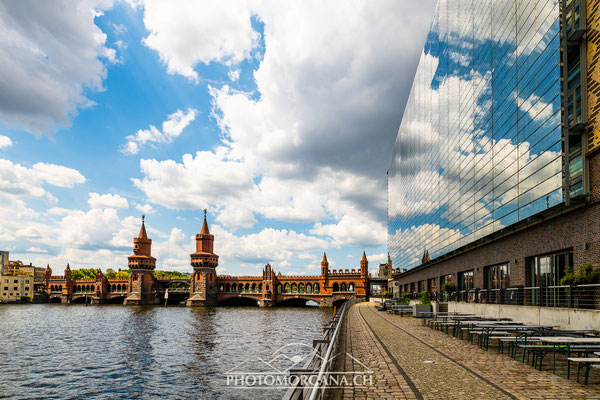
(324, 266)
(268, 287)
(142, 284)
(364, 266)
(203, 285)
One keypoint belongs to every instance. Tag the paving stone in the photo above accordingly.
(459, 370)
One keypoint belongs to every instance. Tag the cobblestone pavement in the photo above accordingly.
(440, 366)
(388, 382)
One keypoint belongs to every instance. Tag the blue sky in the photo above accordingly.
(278, 117)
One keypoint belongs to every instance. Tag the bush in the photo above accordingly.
(405, 297)
(26, 299)
(449, 287)
(585, 275)
(424, 299)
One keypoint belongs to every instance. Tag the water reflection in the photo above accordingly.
(61, 351)
(479, 147)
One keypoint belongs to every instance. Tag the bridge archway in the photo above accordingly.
(78, 300)
(337, 303)
(298, 302)
(239, 301)
(55, 299)
(116, 300)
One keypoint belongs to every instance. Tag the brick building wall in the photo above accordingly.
(571, 230)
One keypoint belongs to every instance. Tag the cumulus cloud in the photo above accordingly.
(145, 208)
(49, 58)
(171, 128)
(187, 32)
(311, 145)
(107, 201)
(5, 142)
(20, 181)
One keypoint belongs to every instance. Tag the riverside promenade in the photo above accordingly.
(411, 361)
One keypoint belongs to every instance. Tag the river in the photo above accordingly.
(54, 351)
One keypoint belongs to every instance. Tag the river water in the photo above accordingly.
(52, 351)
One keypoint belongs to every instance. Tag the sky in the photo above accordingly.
(277, 116)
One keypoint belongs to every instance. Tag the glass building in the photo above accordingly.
(483, 143)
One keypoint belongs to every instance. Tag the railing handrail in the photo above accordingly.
(302, 392)
(332, 342)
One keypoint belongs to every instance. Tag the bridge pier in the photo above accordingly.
(266, 303)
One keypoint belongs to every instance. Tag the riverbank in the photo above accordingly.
(411, 361)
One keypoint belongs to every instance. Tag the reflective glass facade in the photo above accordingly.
(479, 147)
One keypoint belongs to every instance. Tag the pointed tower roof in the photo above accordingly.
(68, 267)
(143, 234)
(204, 230)
(426, 257)
(364, 257)
(324, 260)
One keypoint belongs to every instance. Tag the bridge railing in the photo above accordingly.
(313, 386)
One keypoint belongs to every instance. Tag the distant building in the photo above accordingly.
(14, 287)
(3, 261)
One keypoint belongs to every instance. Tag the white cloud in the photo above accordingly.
(305, 148)
(186, 32)
(107, 201)
(145, 208)
(5, 142)
(20, 181)
(234, 75)
(49, 57)
(171, 128)
(58, 175)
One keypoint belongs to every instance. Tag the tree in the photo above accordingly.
(123, 274)
(110, 274)
(83, 273)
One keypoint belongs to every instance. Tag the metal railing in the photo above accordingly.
(320, 363)
(575, 296)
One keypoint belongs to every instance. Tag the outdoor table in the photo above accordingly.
(515, 328)
(557, 341)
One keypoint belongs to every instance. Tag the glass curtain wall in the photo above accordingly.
(479, 146)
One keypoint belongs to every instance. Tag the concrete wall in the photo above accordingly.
(564, 318)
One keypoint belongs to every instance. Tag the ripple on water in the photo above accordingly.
(72, 352)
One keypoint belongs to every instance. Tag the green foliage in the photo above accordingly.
(449, 287)
(83, 273)
(123, 274)
(405, 297)
(110, 274)
(585, 275)
(18, 272)
(171, 275)
(424, 299)
(26, 299)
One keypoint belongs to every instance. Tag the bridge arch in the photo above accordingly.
(116, 300)
(238, 301)
(78, 300)
(55, 299)
(298, 302)
(338, 302)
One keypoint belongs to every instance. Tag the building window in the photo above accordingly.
(548, 270)
(498, 276)
(431, 285)
(466, 280)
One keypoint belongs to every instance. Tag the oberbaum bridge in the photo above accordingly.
(205, 287)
